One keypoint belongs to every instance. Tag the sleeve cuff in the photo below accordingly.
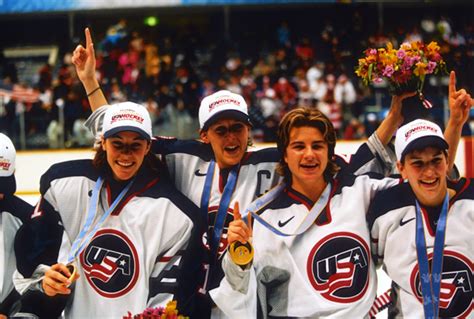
(384, 152)
(34, 283)
(94, 122)
(237, 277)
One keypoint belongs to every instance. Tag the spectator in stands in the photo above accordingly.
(284, 35)
(115, 34)
(335, 48)
(344, 91)
(314, 73)
(345, 96)
(285, 92)
(330, 108)
(355, 130)
(305, 95)
(304, 50)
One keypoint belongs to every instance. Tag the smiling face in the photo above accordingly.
(426, 172)
(307, 157)
(228, 139)
(125, 153)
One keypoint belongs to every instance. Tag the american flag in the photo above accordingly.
(18, 93)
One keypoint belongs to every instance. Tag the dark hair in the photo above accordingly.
(402, 160)
(101, 164)
(247, 125)
(301, 117)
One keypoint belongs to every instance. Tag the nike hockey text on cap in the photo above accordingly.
(418, 134)
(7, 165)
(222, 104)
(127, 116)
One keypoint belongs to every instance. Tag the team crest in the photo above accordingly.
(223, 241)
(338, 267)
(455, 298)
(110, 263)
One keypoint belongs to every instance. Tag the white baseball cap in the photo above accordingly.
(127, 116)
(222, 104)
(418, 134)
(7, 165)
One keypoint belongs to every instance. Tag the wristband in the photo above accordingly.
(93, 91)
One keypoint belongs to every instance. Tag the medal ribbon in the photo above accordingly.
(84, 236)
(223, 204)
(272, 194)
(431, 284)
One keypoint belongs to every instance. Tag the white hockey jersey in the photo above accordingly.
(188, 162)
(13, 213)
(143, 255)
(393, 228)
(325, 272)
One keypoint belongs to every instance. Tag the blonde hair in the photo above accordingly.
(301, 117)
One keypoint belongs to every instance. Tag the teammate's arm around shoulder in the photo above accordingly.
(85, 63)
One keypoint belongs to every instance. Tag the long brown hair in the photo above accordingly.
(301, 117)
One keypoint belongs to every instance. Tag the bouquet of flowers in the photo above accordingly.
(168, 312)
(404, 69)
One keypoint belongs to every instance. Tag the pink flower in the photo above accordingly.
(372, 51)
(388, 71)
(409, 61)
(431, 67)
(401, 54)
(437, 57)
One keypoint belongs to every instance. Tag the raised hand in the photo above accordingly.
(459, 102)
(238, 229)
(394, 118)
(396, 105)
(84, 59)
(57, 280)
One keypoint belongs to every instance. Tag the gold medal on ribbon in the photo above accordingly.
(241, 254)
(72, 269)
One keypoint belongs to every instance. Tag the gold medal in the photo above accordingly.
(72, 269)
(241, 254)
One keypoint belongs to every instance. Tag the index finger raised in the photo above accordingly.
(87, 32)
(452, 82)
(237, 215)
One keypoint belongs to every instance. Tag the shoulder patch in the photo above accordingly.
(67, 169)
(389, 199)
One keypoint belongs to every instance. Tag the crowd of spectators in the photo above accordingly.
(170, 75)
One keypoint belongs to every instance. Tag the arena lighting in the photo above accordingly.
(151, 21)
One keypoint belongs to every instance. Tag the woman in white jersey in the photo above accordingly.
(422, 230)
(311, 243)
(130, 235)
(236, 173)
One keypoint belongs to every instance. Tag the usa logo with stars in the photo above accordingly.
(338, 267)
(455, 298)
(110, 263)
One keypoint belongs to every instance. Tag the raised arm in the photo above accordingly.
(394, 118)
(459, 104)
(84, 61)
